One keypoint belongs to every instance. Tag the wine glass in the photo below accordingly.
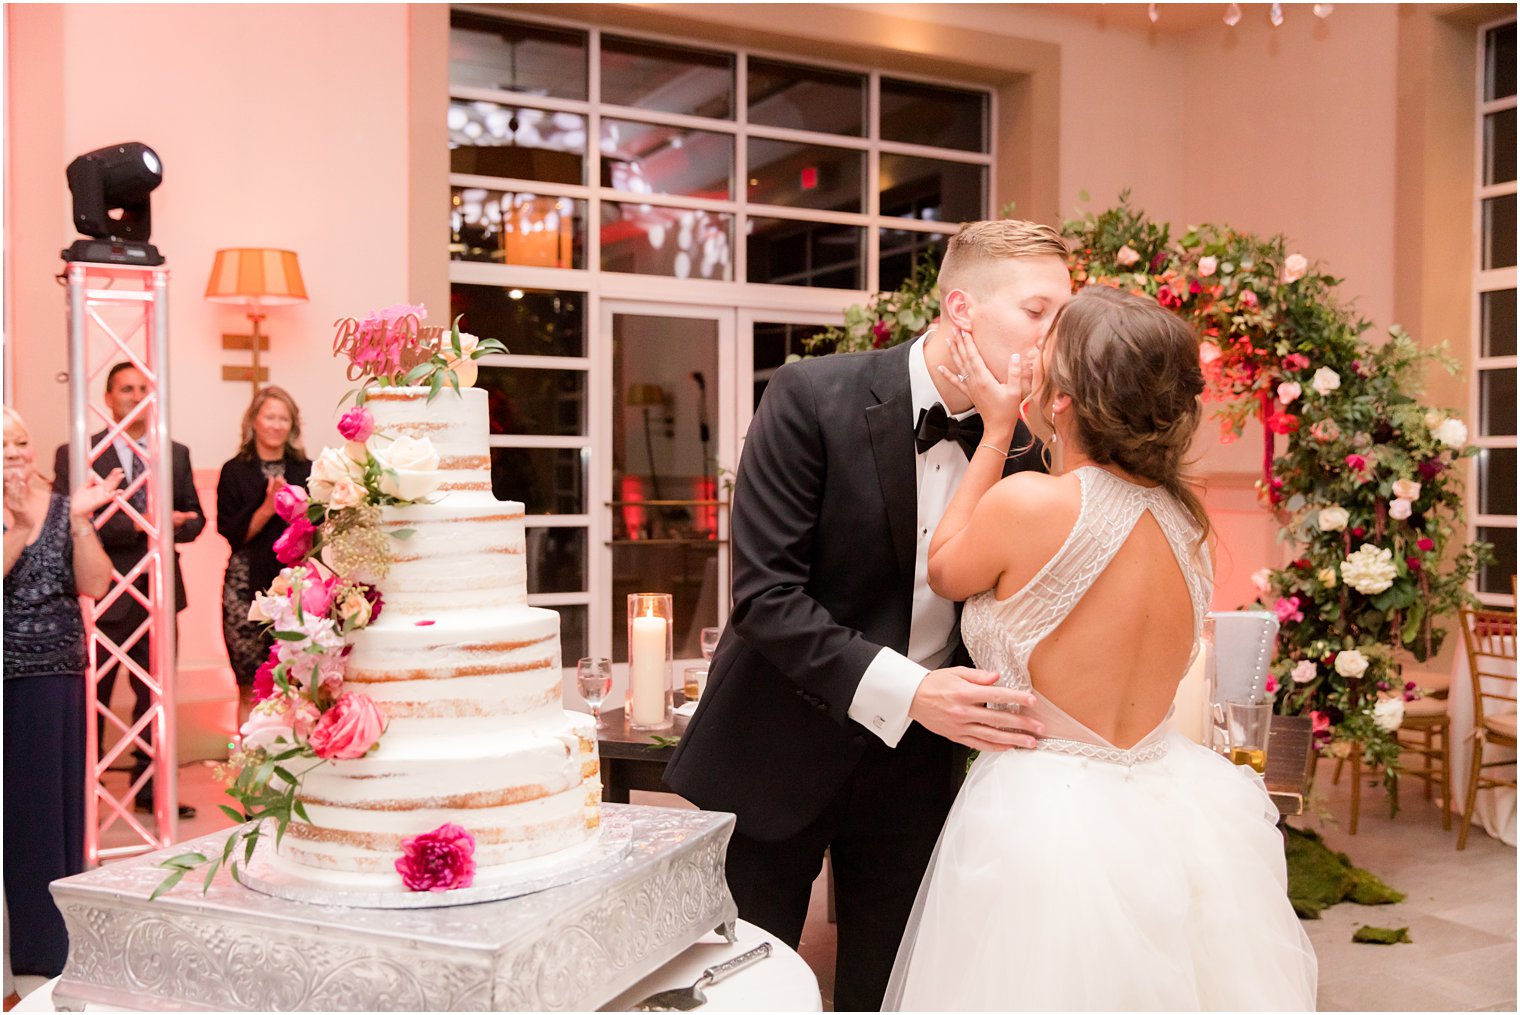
(593, 678)
(710, 637)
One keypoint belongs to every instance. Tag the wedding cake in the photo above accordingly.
(466, 675)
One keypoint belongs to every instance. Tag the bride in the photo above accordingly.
(1118, 865)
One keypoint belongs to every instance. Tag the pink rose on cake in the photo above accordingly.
(357, 424)
(463, 365)
(290, 502)
(408, 468)
(349, 729)
(296, 541)
(278, 722)
(438, 861)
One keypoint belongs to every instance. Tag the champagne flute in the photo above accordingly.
(710, 637)
(593, 678)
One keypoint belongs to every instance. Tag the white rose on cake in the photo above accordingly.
(408, 468)
(1369, 570)
(464, 368)
(331, 465)
(346, 494)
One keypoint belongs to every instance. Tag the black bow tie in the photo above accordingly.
(935, 425)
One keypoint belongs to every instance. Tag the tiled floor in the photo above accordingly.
(1460, 909)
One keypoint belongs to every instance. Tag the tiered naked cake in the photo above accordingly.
(468, 676)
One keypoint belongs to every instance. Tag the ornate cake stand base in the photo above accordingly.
(270, 874)
(569, 948)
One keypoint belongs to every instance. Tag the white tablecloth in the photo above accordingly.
(782, 982)
(1495, 809)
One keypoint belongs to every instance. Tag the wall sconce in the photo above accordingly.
(255, 278)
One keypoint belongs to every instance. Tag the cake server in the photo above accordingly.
(687, 998)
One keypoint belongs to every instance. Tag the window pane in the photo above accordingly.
(1499, 146)
(639, 567)
(1499, 323)
(1499, 81)
(525, 144)
(1495, 577)
(529, 322)
(932, 190)
(774, 342)
(572, 634)
(486, 53)
(650, 158)
(1496, 481)
(556, 560)
(820, 254)
(916, 113)
(1499, 232)
(667, 78)
(548, 481)
(532, 401)
(806, 98)
(679, 242)
(502, 227)
(806, 176)
(901, 249)
(1497, 396)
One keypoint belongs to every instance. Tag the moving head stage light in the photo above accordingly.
(116, 179)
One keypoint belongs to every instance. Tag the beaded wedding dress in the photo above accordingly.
(1083, 876)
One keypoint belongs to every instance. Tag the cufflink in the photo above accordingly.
(879, 722)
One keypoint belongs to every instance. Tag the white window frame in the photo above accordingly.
(1486, 280)
(744, 302)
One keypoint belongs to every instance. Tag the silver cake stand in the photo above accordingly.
(572, 947)
(270, 874)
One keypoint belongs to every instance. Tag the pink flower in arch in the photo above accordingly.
(438, 861)
(1295, 361)
(1288, 610)
(1356, 463)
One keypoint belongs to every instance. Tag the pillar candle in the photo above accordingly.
(646, 670)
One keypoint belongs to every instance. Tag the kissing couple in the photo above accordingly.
(984, 539)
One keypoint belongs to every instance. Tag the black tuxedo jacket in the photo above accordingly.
(824, 510)
(125, 543)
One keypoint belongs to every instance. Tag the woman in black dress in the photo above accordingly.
(269, 456)
(52, 556)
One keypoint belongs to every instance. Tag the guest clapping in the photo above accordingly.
(269, 456)
(52, 556)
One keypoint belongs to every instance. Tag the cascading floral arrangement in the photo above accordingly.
(335, 551)
(1365, 489)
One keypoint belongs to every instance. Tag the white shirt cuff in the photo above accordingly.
(885, 694)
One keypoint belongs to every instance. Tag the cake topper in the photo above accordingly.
(391, 347)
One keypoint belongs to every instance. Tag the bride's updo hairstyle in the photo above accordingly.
(1131, 369)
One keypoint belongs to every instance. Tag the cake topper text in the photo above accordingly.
(388, 344)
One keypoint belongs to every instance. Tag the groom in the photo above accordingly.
(837, 694)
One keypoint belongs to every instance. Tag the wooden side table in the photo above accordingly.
(630, 759)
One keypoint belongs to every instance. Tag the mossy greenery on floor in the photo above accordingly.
(1319, 878)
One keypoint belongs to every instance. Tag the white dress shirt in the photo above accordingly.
(887, 688)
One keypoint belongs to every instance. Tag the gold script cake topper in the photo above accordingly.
(388, 342)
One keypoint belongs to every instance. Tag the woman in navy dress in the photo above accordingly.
(52, 556)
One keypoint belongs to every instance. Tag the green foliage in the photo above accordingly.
(1318, 878)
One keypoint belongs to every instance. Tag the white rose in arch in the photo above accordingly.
(1388, 713)
(1294, 267)
(1399, 509)
(408, 468)
(1304, 672)
(1127, 255)
(1350, 664)
(1451, 432)
(1288, 392)
(1406, 489)
(1262, 579)
(331, 465)
(1369, 570)
(1333, 518)
(1325, 381)
(1207, 266)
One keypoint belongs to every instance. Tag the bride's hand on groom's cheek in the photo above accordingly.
(955, 702)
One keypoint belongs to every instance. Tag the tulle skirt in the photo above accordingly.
(1064, 883)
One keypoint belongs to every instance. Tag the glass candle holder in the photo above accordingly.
(651, 654)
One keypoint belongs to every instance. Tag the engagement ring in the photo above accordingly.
(961, 378)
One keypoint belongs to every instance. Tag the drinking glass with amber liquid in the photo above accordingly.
(1248, 723)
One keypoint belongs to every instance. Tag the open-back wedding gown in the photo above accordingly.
(1082, 876)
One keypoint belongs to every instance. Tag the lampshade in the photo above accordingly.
(645, 394)
(256, 275)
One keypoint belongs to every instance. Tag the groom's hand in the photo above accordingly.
(954, 703)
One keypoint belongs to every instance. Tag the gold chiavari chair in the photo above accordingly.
(1490, 639)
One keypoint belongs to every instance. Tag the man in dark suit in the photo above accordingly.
(837, 697)
(125, 543)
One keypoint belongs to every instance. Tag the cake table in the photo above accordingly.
(574, 947)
